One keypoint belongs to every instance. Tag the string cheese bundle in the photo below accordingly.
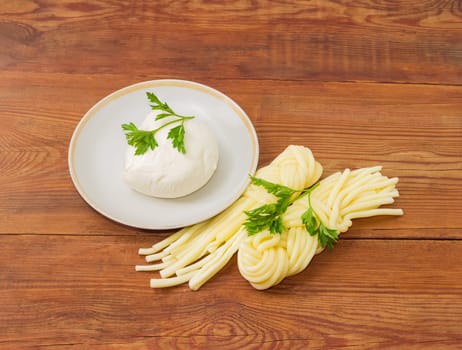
(196, 253)
(265, 259)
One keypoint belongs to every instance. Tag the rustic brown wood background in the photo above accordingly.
(359, 82)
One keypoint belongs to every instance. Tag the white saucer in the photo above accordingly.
(98, 145)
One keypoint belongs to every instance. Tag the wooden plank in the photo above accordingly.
(413, 131)
(415, 42)
(359, 82)
(83, 292)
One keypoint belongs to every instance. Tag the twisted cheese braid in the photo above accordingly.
(196, 253)
(266, 259)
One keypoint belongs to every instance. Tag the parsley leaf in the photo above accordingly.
(176, 134)
(327, 237)
(269, 216)
(260, 218)
(309, 220)
(278, 190)
(141, 139)
(144, 140)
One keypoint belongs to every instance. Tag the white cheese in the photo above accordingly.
(167, 173)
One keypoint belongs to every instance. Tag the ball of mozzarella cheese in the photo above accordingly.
(167, 173)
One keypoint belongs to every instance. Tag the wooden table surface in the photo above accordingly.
(361, 83)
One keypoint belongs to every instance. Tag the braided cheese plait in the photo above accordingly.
(265, 259)
(196, 253)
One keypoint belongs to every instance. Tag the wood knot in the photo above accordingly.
(18, 32)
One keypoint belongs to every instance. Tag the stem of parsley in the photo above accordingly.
(180, 119)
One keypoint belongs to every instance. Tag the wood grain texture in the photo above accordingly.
(287, 40)
(364, 294)
(359, 82)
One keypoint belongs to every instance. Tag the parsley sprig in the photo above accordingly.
(314, 226)
(143, 140)
(269, 216)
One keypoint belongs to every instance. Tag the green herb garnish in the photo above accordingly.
(314, 226)
(269, 216)
(143, 140)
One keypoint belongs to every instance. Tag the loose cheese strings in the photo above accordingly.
(266, 259)
(196, 253)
